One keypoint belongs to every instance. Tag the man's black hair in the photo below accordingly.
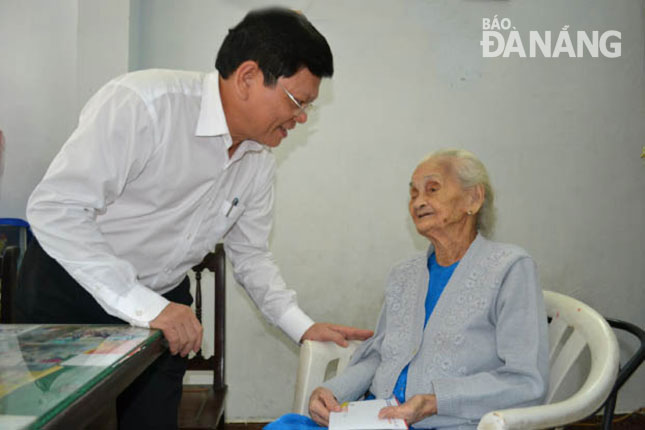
(281, 41)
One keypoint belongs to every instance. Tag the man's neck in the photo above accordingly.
(232, 149)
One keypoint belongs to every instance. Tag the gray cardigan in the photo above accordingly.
(485, 346)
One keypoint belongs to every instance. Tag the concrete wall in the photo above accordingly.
(561, 138)
(54, 56)
(37, 92)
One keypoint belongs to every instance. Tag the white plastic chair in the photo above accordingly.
(585, 328)
(315, 359)
(573, 327)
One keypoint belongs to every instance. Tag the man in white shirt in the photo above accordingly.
(163, 165)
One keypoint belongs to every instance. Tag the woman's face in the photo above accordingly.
(438, 204)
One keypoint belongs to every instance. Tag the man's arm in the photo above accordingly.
(247, 246)
(113, 140)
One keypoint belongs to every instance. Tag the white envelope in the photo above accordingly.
(363, 415)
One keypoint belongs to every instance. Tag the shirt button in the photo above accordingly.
(139, 313)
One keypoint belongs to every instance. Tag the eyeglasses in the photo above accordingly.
(302, 107)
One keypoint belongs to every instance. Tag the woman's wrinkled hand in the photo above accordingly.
(321, 403)
(414, 410)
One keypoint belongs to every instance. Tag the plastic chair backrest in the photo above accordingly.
(574, 326)
(315, 367)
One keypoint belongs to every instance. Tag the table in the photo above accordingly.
(68, 376)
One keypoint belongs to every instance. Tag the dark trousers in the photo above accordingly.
(46, 293)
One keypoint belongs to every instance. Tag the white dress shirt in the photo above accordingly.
(144, 188)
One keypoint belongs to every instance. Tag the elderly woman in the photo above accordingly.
(463, 327)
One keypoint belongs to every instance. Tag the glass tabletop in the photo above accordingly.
(44, 368)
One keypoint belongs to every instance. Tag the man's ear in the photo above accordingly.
(246, 76)
(476, 193)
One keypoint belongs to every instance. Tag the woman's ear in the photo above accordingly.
(476, 193)
(245, 77)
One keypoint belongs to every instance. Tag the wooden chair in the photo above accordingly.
(202, 406)
(8, 282)
(15, 235)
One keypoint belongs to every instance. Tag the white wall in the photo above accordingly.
(103, 42)
(53, 57)
(37, 82)
(561, 138)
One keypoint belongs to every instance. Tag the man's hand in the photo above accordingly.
(417, 408)
(180, 327)
(321, 403)
(325, 332)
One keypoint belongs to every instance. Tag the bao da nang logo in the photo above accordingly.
(501, 39)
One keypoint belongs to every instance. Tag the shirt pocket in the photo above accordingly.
(226, 217)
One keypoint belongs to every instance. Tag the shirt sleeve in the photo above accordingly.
(521, 335)
(109, 148)
(247, 246)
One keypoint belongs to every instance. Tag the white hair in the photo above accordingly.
(470, 172)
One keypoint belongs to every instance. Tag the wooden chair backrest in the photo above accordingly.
(216, 263)
(8, 282)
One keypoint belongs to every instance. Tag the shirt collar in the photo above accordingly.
(212, 121)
